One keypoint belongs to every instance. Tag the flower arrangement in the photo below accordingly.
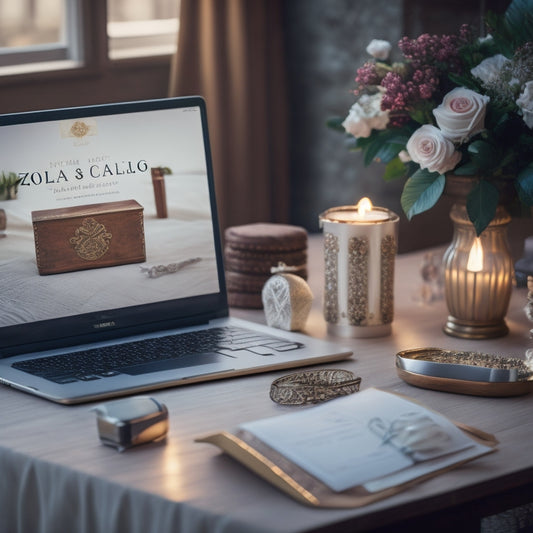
(454, 104)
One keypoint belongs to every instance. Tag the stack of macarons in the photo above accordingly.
(252, 250)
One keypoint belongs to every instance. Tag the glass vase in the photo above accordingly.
(478, 297)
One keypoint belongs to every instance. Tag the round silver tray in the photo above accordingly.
(471, 373)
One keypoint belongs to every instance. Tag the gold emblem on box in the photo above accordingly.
(91, 240)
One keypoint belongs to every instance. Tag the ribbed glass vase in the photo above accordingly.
(478, 296)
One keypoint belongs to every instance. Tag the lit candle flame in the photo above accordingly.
(364, 206)
(475, 257)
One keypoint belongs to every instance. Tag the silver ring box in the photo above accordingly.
(131, 421)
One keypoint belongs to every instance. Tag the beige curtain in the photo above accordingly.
(231, 53)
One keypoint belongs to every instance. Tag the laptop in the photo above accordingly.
(111, 258)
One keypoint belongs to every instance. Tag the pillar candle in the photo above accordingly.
(360, 243)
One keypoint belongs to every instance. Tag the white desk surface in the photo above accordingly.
(51, 458)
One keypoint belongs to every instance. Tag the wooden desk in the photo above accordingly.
(51, 460)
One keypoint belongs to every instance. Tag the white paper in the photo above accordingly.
(419, 469)
(345, 443)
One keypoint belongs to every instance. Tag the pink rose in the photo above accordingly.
(428, 147)
(461, 114)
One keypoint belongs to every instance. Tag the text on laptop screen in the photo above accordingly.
(112, 211)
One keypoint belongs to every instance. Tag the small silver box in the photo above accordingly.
(131, 421)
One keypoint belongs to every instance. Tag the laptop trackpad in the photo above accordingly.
(171, 364)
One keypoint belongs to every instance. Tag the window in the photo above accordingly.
(48, 34)
(39, 31)
(141, 28)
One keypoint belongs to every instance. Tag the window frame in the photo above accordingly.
(146, 41)
(37, 57)
(89, 51)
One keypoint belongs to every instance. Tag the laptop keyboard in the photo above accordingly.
(153, 355)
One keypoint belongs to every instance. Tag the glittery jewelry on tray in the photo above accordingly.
(313, 386)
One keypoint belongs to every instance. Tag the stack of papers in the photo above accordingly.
(372, 439)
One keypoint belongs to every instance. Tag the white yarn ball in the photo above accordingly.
(287, 300)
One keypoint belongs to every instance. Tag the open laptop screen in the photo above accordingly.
(112, 227)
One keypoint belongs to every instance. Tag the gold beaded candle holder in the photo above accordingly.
(360, 244)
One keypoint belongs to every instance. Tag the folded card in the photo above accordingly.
(353, 450)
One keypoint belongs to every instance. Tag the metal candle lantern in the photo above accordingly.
(478, 277)
(360, 244)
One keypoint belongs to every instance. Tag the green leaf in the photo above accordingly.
(468, 169)
(423, 114)
(464, 81)
(513, 29)
(481, 205)
(524, 185)
(480, 148)
(421, 192)
(383, 145)
(388, 152)
(335, 123)
(395, 169)
(363, 142)
(484, 155)
(519, 20)
(371, 151)
(419, 116)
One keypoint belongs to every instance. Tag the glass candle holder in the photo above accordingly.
(359, 255)
(478, 292)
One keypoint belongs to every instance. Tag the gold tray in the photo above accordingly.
(473, 373)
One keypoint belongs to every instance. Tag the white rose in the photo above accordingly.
(489, 69)
(428, 147)
(366, 115)
(379, 49)
(525, 103)
(461, 114)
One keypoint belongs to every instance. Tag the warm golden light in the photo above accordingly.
(475, 257)
(364, 206)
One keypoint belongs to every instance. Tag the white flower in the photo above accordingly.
(525, 103)
(428, 147)
(461, 114)
(489, 69)
(365, 115)
(379, 49)
(487, 39)
(404, 156)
